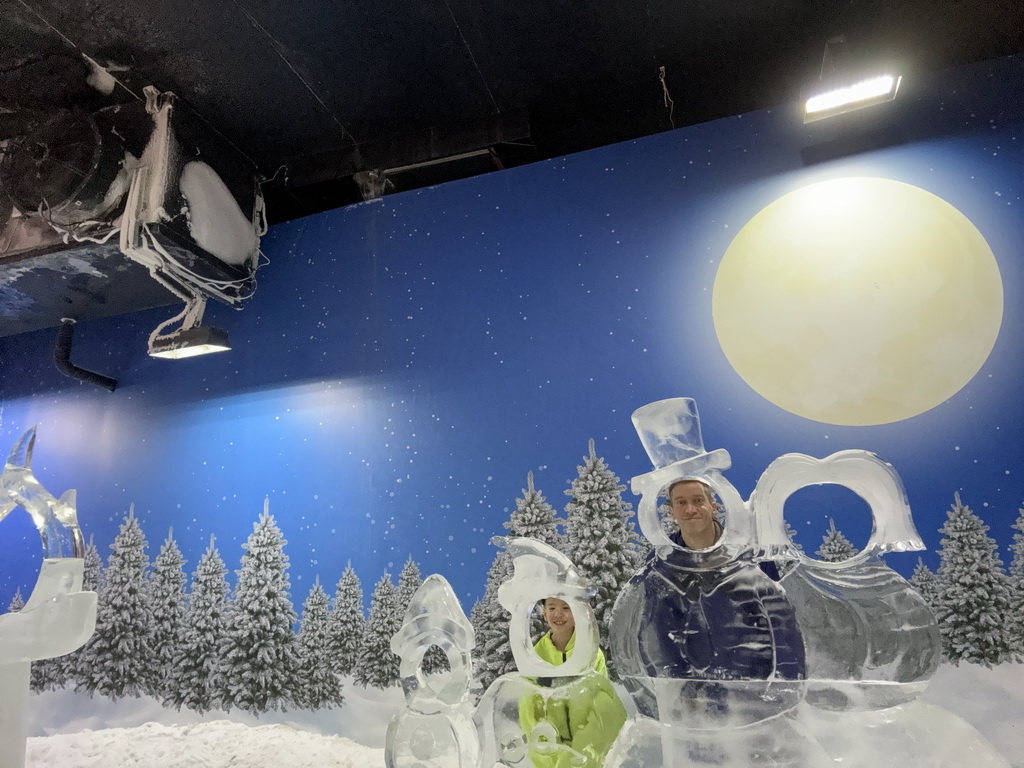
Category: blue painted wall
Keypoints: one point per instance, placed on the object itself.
(406, 362)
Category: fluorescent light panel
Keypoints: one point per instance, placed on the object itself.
(865, 93)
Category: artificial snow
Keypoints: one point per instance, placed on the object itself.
(139, 733)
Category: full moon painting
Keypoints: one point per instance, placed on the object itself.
(858, 301)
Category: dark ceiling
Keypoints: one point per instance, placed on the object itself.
(316, 91)
(335, 101)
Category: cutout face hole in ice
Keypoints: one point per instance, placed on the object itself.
(830, 519)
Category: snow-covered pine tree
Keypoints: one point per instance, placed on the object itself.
(377, 665)
(602, 541)
(347, 623)
(17, 603)
(199, 664)
(835, 547)
(409, 580)
(1017, 582)
(492, 655)
(167, 598)
(535, 518)
(77, 662)
(119, 653)
(975, 599)
(319, 685)
(259, 649)
(926, 582)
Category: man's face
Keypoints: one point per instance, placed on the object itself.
(558, 615)
(691, 508)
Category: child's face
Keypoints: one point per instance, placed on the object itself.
(558, 615)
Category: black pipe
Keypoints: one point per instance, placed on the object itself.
(62, 359)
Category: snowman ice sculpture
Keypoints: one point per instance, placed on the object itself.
(704, 634)
(436, 729)
(525, 717)
(59, 617)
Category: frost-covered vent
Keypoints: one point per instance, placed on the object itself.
(148, 180)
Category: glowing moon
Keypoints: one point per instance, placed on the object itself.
(858, 301)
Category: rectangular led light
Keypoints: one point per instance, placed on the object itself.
(865, 93)
(189, 343)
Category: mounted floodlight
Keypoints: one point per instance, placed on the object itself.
(839, 90)
(189, 343)
(865, 93)
(191, 339)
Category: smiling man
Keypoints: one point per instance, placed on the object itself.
(693, 508)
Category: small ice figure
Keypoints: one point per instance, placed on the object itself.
(551, 713)
(56, 519)
(703, 638)
(58, 617)
(435, 730)
(872, 641)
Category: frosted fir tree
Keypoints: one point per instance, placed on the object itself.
(976, 599)
(835, 547)
(259, 649)
(378, 666)
(118, 654)
(167, 599)
(409, 580)
(320, 686)
(346, 624)
(534, 517)
(77, 662)
(601, 539)
(1017, 581)
(17, 602)
(200, 669)
(926, 582)
(492, 655)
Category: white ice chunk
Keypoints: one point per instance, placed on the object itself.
(216, 222)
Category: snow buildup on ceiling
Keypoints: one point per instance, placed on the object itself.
(99, 77)
(216, 222)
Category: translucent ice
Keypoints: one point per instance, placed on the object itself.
(58, 618)
(872, 641)
(56, 519)
(701, 618)
(436, 728)
(548, 715)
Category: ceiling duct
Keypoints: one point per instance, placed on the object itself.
(122, 209)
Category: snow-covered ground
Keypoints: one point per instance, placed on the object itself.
(73, 731)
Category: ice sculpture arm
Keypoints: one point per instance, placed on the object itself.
(863, 472)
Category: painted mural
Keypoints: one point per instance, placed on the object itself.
(412, 369)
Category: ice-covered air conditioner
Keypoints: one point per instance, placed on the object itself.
(148, 180)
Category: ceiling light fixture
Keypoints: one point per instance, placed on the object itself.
(838, 90)
(191, 339)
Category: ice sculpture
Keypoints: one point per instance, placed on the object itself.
(548, 715)
(58, 617)
(721, 661)
(702, 638)
(872, 641)
(435, 730)
(56, 519)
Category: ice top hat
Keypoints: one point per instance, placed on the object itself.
(670, 433)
